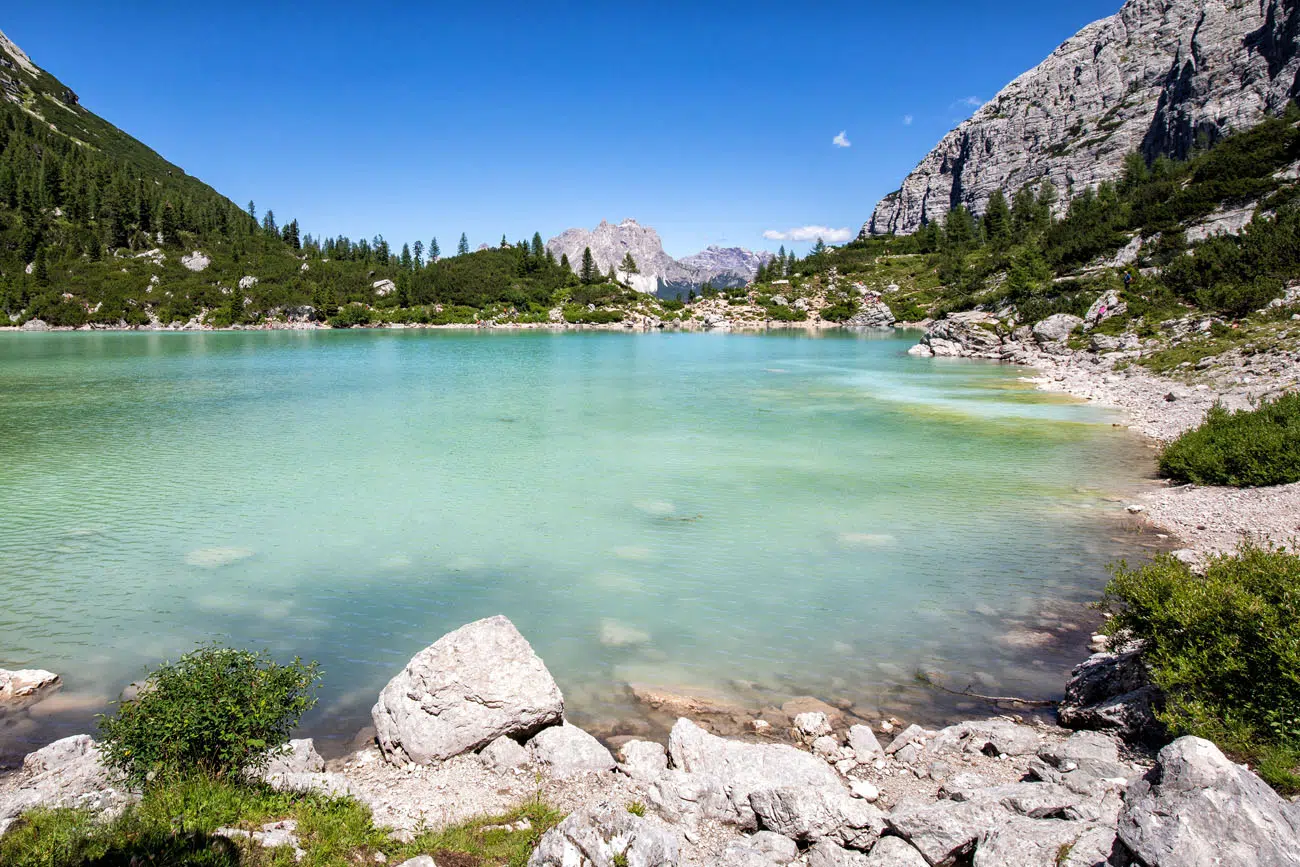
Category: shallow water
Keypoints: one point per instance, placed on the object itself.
(768, 515)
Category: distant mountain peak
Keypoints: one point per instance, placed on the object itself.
(724, 267)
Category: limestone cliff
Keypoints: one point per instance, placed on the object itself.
(1154, 77)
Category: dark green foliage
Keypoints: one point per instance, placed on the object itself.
(840, 311)
(351, 316)
(588, 273)
(217, 710)
(1224, 648)
(1248, 448)
(579, 315)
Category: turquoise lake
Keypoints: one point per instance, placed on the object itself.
(751, 516)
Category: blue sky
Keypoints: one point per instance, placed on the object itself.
(713, 122)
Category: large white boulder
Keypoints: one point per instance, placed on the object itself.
(1197, 808)
(464, 691)
(1056, 328)
(25, 683)
(196, 261)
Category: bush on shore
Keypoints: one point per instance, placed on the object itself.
(1224, 648)
(217, 710)
(1249, 448)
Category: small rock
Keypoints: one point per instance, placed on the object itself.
(864, 743)
(642, 760)
(568, 751)
(812, 724)
(503, 754)
(864, 790)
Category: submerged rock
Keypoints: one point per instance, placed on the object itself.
(464, 691)
(25, 686)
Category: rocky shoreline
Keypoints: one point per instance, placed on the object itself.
(1206, 520)
(475, 724)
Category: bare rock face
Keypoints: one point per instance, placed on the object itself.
(1112, 691)
(604, 837)
(67, 773)
(1196, 808)
(464, 691)
(567, 751)
(1153, 77)
(742, 769)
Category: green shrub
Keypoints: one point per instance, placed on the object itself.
(1248, 448)
(578, 315)
(350, 316)
(217, 710)
(781, 313)
(840, 311)
(1224, 648)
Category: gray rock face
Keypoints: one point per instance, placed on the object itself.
(894, 852)
(503, 754)
(807, 814)
(692, 798)
(1028, 843)
(464, 691)
(1196, 808)
(1056, 328)
(827, 854)
(642, 760)
(298, 757)
(743, 768)
(67, 773)
(1152, 77)
(991, 737)
(864, 743)
(945, 830)
(872, 313)
(593, 837)
(567, 751)
(1112, 691)
(723, 267)
(971, 333)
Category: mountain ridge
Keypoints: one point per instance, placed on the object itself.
(1155, 77)
(723, 267)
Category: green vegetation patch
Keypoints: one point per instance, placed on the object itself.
(174, 823)
(1247, 448)
(1224, 648)
(216, 710)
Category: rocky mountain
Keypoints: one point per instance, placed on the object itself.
(659, 272)
(1156, 77)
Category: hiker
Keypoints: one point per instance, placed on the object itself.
(1128, 279)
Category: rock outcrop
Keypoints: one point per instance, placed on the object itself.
(1112, 691)
(1197, 809)
(464, 691)
(724, 267)
(1154, 77)
(67, 773)
(604, 837)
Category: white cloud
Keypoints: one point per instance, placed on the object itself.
(842, 140)
(810, 233)
(907, 120)
(971, 102)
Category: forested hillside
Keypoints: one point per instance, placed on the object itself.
(97, 229)
(1163, 223)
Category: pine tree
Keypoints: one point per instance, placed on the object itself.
(405, 261)
(463, 247)
(629, 265)
(589, 273)
(268, 223)
(819, 248)
(959, 229)
(1022, 213)
(997, 218)
(539, 249)
(418, 250)
(564, 262)
(167, 225)
(434, 252)
(252, 212)
(41, 269)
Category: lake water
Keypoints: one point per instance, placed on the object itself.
(759, 516)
